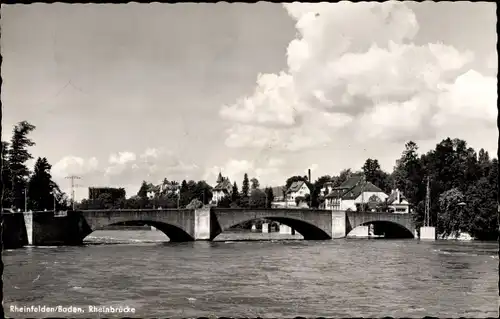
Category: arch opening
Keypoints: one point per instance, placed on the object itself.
(169, 232)
(381, 229)
(302, 228)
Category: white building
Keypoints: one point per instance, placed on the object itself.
(326, 189)
(297, 189)
(222, 189)
(398, 203)
(354, 192)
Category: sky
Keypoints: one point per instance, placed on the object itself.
(122, 93)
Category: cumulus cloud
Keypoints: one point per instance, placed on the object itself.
(266, 170)
(354, 65)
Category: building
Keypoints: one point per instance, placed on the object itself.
(297, 189)
(222, 188)
(398, 203)
(326, 189)
(169, 187)
(354, 192)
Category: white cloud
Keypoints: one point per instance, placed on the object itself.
(74, 165)
(267, 170)
(122, 158)
(472, 96)
(377, 84)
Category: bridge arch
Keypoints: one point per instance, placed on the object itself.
(392, 225)
(310, 228)
(97, 220)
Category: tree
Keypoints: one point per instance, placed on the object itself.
(224, 202)
(270, 196)
(18, 156)
(105, 201)
(195, 204)
(451, 219)
(143, 190)
(245, 187)
(299, 199)
(41, 186)
(235, 194)
(257, 199)
(343, 177)
(255, 183)
(374, 174)
(6, 176)
(482, 206)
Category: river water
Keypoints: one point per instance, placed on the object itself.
(338, 278)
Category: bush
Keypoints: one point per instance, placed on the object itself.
(195, 203)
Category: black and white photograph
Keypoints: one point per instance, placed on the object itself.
(257, 160)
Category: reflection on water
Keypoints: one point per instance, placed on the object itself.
(339, 278)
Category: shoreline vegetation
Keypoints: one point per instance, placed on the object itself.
(463, 186)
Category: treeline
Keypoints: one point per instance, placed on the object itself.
(250, 196)
(23, 189)
(190, 194)
(463, 186)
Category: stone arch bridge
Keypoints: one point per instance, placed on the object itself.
(70, 228)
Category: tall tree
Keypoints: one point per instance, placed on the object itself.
(6, 176)
(143, 190)
(374, 174)
(451, 216)
(41, 186)
(235, 194)
(270, 196)
(255, 183)
(18, 156)
(245, 187)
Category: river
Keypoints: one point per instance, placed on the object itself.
(338, 278)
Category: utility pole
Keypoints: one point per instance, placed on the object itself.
(363, 193)
(72, 178)
(427, 204)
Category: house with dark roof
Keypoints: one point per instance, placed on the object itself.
(398, 203)
(297, 189)
(353, 192)
(222, 188)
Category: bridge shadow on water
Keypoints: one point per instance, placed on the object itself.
(387, 230)
(301, 230)
(173, 234)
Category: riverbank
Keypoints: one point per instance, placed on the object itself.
(255, 236)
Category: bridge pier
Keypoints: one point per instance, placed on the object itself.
(202, 224)
(339, 224)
